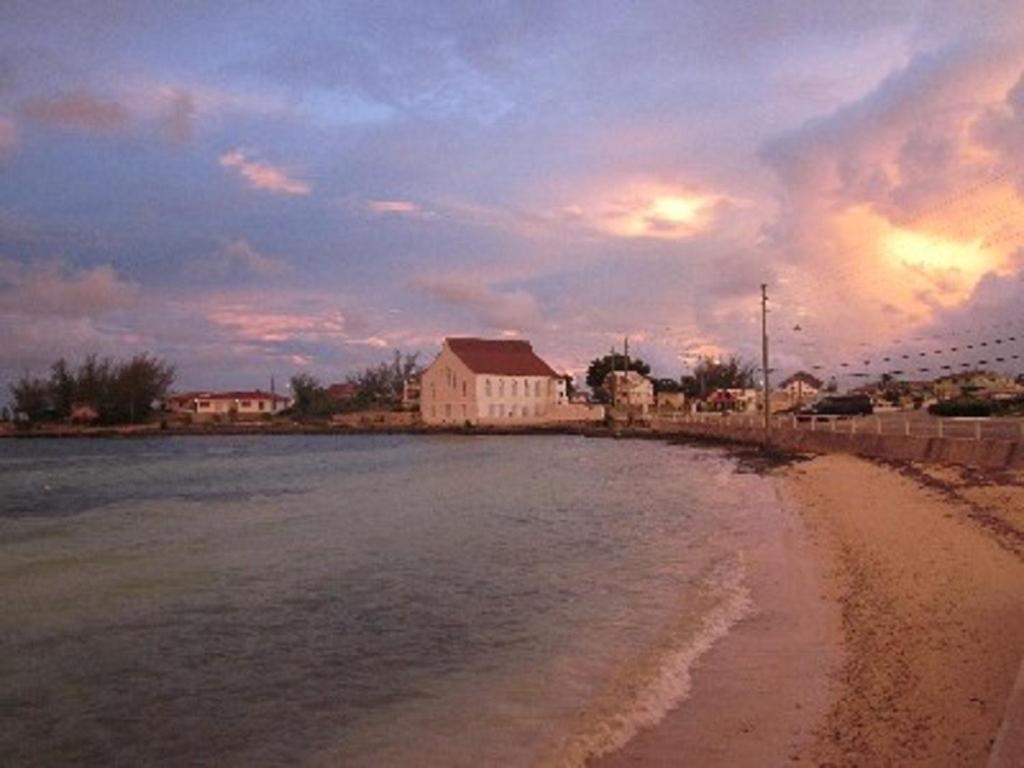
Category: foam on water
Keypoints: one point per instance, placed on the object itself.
(657, 683)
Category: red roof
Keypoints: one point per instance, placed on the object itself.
(342, 391)
(251, 395)
(502, 357)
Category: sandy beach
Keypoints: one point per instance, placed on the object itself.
(889, 631)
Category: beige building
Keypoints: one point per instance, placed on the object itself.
(629, 389)
(250, 403)
(493, 382)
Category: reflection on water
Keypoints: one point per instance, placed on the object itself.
(355, 600)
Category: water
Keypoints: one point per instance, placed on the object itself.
(388, 600)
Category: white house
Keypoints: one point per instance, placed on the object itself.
(493, 382)
(249, 403)
(801, 387)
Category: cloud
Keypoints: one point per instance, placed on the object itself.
(253, 322)
(48, 309)
(495, 310)
(398, 208)
(238, 258)
(53, 288)
(8, 136)
(177, 121)
(893, 200)
(79, 110)
(263, 175)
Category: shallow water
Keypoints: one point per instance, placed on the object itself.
(386, 600)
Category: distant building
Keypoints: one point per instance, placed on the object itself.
(412, 391)
(669, 401)
(801, 387)
(83, 413)
(493, 382)
(342, 393)
(734, 399)
(629, 389)
(249, 403)
(979, 384)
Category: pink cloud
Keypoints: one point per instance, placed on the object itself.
(8, 135)
(398, 208)
(79, 110)
(263, 175)
(255, 323)
(50, 288)
(178, 118)
(499, 310)
(238, 256)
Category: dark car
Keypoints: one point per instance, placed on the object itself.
(838, 405)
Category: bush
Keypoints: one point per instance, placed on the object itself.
(961, 407)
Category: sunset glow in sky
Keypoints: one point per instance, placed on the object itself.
(255, 189)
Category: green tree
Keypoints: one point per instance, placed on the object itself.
(119, 391)
(63, 388)
(382, 384)
(310, 397)
(134, 386)
(668, 385)
(32, 397)
(600, 367)
(711, 373)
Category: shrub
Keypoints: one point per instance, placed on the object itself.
(961, 407)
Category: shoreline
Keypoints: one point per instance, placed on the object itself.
(896, 611)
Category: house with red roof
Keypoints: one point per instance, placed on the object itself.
(492, 382)
(243, 403)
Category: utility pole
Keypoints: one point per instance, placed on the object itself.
(764, 365)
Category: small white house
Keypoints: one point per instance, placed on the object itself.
(249, 403)
(801, 387)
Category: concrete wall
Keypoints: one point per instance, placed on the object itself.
(989, 454)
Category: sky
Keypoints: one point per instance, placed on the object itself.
(260, 189)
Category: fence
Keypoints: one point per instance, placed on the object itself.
(907, 425)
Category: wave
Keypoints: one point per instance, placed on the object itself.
(660, 680)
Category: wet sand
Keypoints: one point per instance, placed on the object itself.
(890, 633)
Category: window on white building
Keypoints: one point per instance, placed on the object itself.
(463, 387)
(501, 387)
(515, 387)
(536, 388)
(487, 387)
(448, 410)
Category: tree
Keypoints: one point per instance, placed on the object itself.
(667, 385)
(119, 391)
(63, 388)
(135, 385)
(710, 374)
(32, 397)
(310, 398)
(600, 367)
(382, 384)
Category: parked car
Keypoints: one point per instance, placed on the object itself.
(837, 406)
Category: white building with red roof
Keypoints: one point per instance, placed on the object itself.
(243, 403)
(491, 382)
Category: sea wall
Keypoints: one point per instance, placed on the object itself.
(985, 453)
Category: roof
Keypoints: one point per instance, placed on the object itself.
(503, 357)
(249, 395)
(805, 377)
(344, 391)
